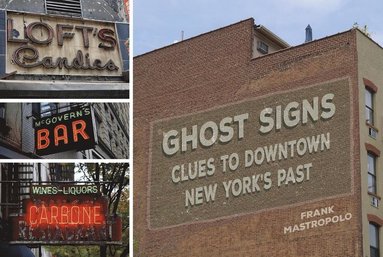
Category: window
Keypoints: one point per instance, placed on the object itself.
(48, 109)
(98, 122)
(41, 110)
(61, 172)
(262, 47)
(2, 110)
(2, 114)
(374, 240)
(110, 140)
(369, 107)
(116, 141)
(371, 169)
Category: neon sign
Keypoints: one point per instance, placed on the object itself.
(66, 220)
(44, 215)
(37, 190)
(71, 130)
(66, 214)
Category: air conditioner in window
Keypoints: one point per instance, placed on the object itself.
(262, 47)
(372, 132)
(374, 201)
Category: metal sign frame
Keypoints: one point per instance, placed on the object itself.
(65, 131)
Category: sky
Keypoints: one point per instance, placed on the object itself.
(160, 23)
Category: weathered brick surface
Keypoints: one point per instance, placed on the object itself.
(216, 69)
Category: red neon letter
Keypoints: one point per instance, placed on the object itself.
(80, 130)
(86, 210)
(97, 216)
(42, 139)
(63, 137)
(43, 215)
(54, 214)
(64, 214)
(75, 215)
(33, 215)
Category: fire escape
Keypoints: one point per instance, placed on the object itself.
(16, 179)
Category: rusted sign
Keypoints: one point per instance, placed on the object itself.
(47, 45)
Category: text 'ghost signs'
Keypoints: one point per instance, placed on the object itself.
(258, 154)
(70, 130)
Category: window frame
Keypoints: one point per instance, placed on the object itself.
(369, 109)
(371, 173)
(374, 250)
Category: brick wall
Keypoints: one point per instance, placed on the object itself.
(216, 69)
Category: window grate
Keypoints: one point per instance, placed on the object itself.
(64, 7)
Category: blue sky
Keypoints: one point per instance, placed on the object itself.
(159, 23)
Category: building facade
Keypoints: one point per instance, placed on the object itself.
(251, 147)
(45, 130)
(64, 49)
